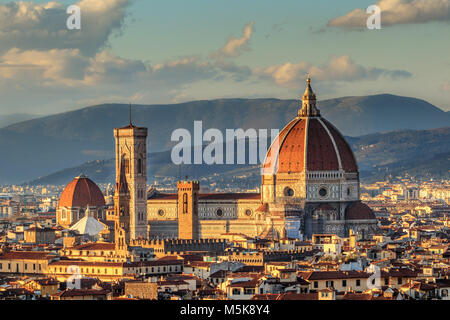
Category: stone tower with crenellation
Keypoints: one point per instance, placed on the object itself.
(130, 200)
(188, 224)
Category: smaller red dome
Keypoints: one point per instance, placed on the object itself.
(81, 192)
(359, 211)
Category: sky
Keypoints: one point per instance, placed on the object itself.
(171, 51)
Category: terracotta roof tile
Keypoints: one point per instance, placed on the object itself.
(26, 255)
(319, 139)
(348, 160)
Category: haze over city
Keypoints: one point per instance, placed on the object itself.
(222, 158)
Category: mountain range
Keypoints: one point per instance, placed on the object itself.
(40, 147)
(12, 118)
(419, 153)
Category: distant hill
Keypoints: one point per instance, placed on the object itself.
(160, 167)
(419, 153)
(422, 153)
(383, 149)
(436, 167)
(42, 146)
(357, 116)
(9, 119)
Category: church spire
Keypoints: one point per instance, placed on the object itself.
(309, 108)
(131, 123)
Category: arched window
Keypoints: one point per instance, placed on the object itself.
(185, 203)
(139, 166)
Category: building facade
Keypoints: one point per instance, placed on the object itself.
(310, 184)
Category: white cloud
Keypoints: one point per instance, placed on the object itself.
(67, 67)
(107, 77)
(235, 46)
(106, 67)
(40, 56)
(62, 72)
(238, 73)
(336, 69)
(43, 68)
(183, 70)
(30, 26)
(37, 52)
(397, 12)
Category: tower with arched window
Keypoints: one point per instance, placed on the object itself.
(188, 209)
(130, 200)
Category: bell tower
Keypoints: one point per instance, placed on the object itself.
(188, 226)
(130, 200)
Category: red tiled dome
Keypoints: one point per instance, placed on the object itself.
(312, 143)
(81, 192)
(359, 211)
